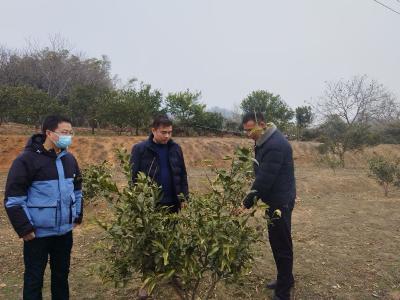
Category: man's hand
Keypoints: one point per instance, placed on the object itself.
(248, 201)
(29, 237)
(183, 205)
(240, 210)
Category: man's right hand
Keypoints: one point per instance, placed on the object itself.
(29, 237)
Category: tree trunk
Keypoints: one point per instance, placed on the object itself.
(211, 290)
(341, 158)
(178, 291)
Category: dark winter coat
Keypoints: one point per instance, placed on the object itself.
(274, 174)
(144, 158)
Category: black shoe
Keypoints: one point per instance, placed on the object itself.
(272, 285)
(291, 295)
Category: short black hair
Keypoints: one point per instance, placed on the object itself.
(161, 120)
(51, 122)
(257, 117)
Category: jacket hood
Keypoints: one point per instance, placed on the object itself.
(35, 144)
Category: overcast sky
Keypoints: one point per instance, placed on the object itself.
(223, 48)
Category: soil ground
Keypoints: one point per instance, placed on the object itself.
(346, 234)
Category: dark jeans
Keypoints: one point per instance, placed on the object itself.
(36, 253)
(280, 239)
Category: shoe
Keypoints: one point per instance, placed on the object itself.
(291, 295)
(272, 285)
(142, 294)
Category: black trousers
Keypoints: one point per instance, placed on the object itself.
(36, 253)
(280, 239)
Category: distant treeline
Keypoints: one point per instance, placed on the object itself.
(39, 81)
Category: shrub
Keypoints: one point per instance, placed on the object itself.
(192, 251)
(386, 171)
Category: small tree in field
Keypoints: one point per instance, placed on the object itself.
(338, 138)
(304, 118)
(206, 243)
(385, 171)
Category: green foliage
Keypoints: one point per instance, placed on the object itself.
(304, 118)
(97, 182)
(85, 105)
(190, 115)
(390, 133)
(207, 121)
(26, 105)
(386, 171)
(207, 242)
(272, 106)
(184, 106)
(133, 107)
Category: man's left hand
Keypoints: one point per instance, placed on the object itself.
(240, 210)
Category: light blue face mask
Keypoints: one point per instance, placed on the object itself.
(64, 141)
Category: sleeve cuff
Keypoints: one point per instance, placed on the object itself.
(78, 220)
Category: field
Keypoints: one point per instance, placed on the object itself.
(346, 234)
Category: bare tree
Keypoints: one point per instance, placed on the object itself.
(358, 100)
(55, 69)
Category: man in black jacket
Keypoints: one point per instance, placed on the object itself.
(160, 158)
(275, 185)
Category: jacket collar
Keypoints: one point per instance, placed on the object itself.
(151, 144)
(35, 144)
(269, 131)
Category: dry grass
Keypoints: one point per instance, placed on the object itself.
(346, 234)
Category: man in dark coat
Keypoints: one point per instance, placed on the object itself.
(275, 185)
(160, 158)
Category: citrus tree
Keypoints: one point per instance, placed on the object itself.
(386, 171)
(192, 251)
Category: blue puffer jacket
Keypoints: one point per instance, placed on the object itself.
(43, 191)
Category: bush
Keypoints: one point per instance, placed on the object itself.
(386, 171)
(206, 243)
(97, 182)
(329, 160)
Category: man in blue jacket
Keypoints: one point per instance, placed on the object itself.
(43, 200)
(160, 158)
(275, 185)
